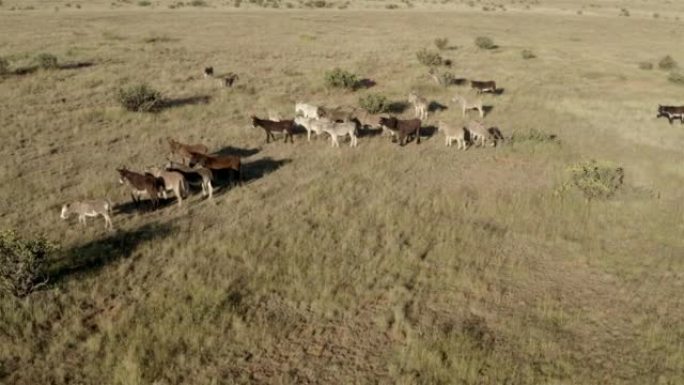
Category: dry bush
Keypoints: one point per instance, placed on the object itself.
(484, 42)
(429, 58)
(374, 103)
(667, 63)
(339, 78)
(4, 66)
(676, 78)
(47, 61)
(139, 98)
(528, 54)
(23, 263)
(597, 179)
(441, 43)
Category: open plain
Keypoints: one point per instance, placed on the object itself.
(379, 264)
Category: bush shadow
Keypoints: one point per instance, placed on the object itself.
(365, 84)
(93, 255)
(189, 101)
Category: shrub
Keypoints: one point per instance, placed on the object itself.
(47, 61)
(534, 135)
(527, 54)
(339, 78)
(441, 43)
(139, 98)
(676, 78)
(198, 3)
(667, 63)
(656, 15)
(374, 103)
(597, 179)
(429, 58)
(144, 3)
(444, 78)
(391, 6)
(23, 263)
(644, 65)
(624, 12)
(4, 66)
(484, 42)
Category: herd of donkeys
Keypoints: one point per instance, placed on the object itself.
(199, 168)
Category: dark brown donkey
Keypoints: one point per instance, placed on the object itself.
(488, 86)
(141, 184)
(269, 126)
(184, 150)
(218, 164)
(403, 128)
(671, 113)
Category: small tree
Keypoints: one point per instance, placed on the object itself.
(441, 43)
(667, 63)
(4, 66)
(527, 54)
(374, 103)
(140, 98)
(484, 42)
(23, 263)
(47, 61)
(429, 58)
(339, 78)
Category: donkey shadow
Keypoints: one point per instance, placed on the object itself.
(397, 107)
(262, 167)
(498, 91)
(435, 106)
(428, 131)
(486, 110)
(92, 256)
(368, 132)
(236, 151)
(188, 101)
(365, 84)
(131, 207)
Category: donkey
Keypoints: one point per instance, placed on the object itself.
(198, 176)
(141, 184)
(420, 105)
(228, 80)
(286, 126)
(307, 110)
(451, 133)
(173, 181)
(478, 133)
(208, 72)
(469, 105)
(341, 129)
(671, 113)
(89, 208)
(218, 164)
(403, 128)
(184, 150)
(483, 86)
(316, 126)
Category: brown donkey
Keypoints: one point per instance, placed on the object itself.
(184, 150)
(141, 184)
(480, 87)
(269, 126)
(403, 128)
(217, 164)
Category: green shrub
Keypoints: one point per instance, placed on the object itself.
(4, 66)
(667, 63)
(23, 263)
(339, 78)
(644, 65)
(484, 42)
(374, 103)
(140, 98)
(47, 61)
(527, 54)
(676, 78)
(624, 12)
(534, 135)
(444, 78)
(144, 3)
(429, 58)
(597, 179)
(441, 43)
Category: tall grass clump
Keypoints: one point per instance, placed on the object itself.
(144, 3)
(23, 263)
(667, 63)
(139, 98)
(676, 78)
(484, 42)
(374, 103)
(644, 65)
(596, 179)
(441, 43)
(429, 58)
(199, 3)
(527, 54)
(4, 66)
(47, 61)
(339, 78)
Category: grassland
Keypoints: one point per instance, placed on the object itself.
(377, 264)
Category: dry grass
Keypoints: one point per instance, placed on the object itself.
(378, 264)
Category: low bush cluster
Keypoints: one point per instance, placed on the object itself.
(374, 103)
(23, 263)
(339, 78)
(139, 98)
(597, 179)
